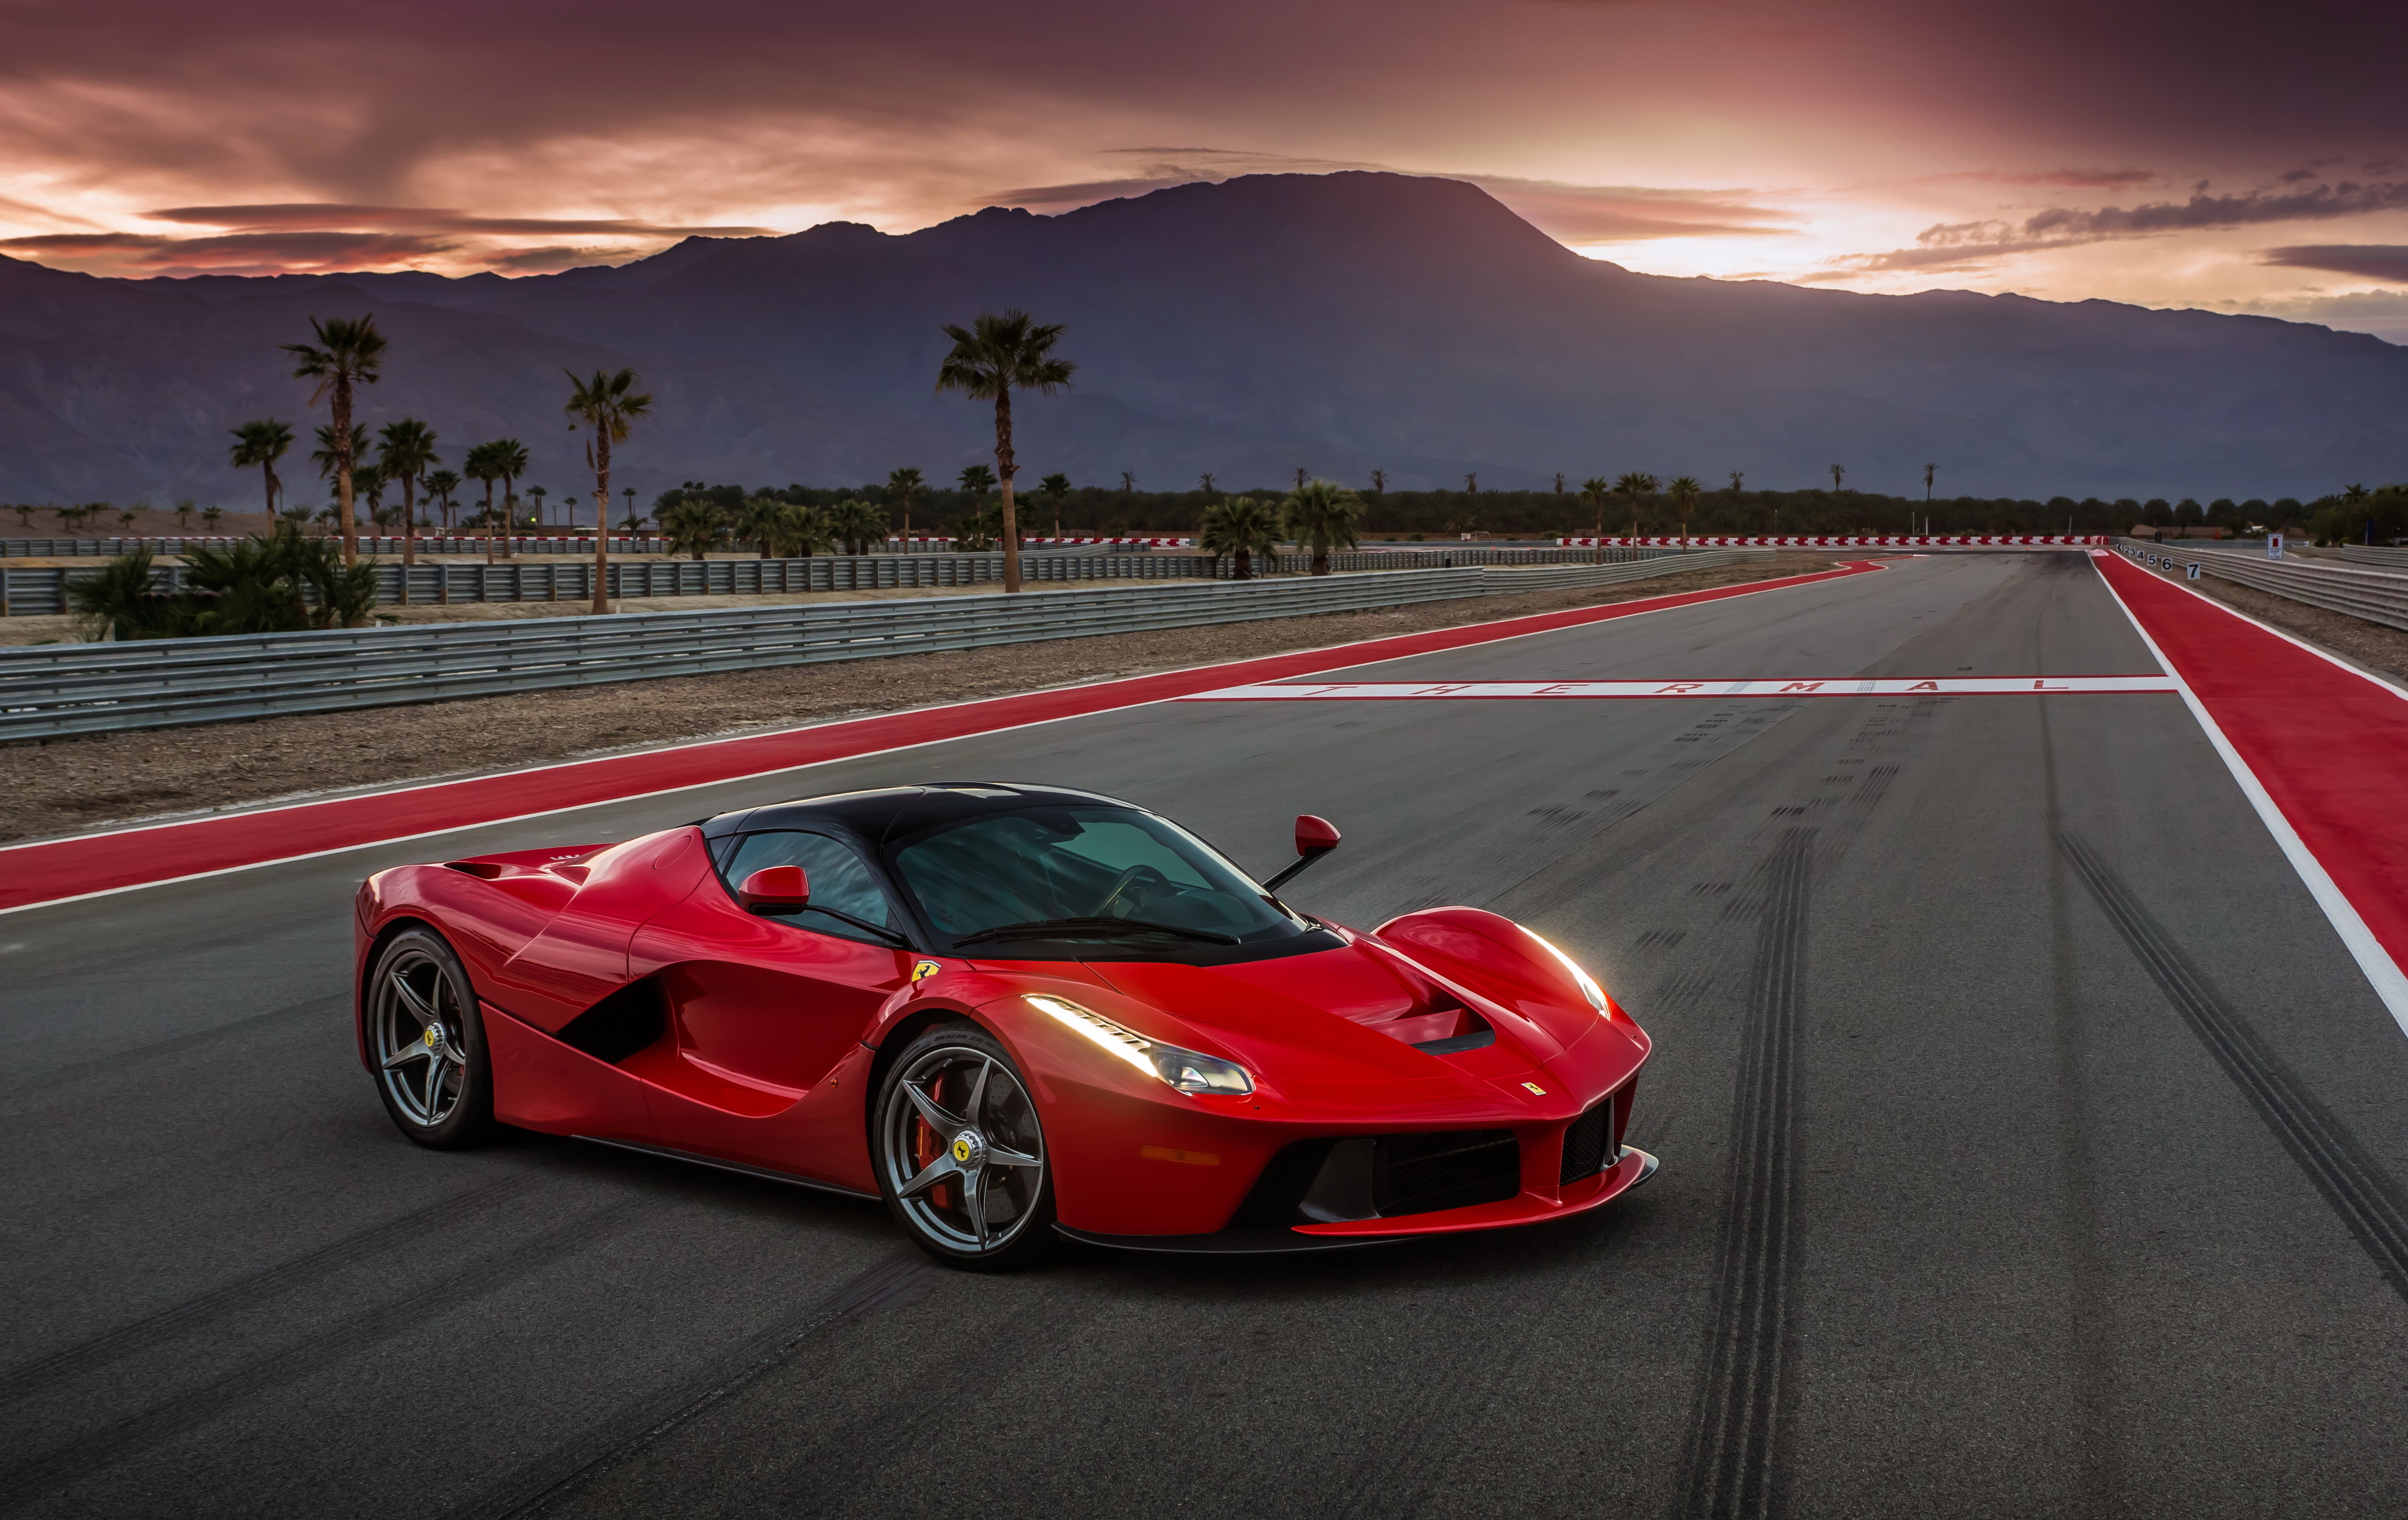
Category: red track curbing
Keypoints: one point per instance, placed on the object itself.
(2327, 744)
(54, 870)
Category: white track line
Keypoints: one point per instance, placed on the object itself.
(1626, 690)
(2382, 973)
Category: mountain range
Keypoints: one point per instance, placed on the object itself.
(1337, 322)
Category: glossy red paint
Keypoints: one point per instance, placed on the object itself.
(765, 1048)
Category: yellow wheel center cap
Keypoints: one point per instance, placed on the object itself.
(970, 1150)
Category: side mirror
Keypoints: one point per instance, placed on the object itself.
(1314, 838)
(775, 890)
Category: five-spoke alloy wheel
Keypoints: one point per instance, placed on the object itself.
(428, 1042)
(961, 1156)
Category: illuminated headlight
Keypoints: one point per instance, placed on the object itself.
(1190, 1072)
(1590, 989)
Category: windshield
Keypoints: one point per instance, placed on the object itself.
(1115, 869)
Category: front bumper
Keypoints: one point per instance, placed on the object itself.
(1630, 1168)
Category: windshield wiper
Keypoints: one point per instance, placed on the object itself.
(1052, 929)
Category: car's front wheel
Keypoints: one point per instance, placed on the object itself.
(428, 1043)
(961, 1153)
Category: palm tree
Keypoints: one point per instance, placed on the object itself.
(1242, 528)
(369, 481)
(1636, 484)
(977, 480)
(633, 522)
(477, 465)
(1204, 483)
(1685, 491)
(210, 516)
(692, 526)
(509, 462)
(1056, 487)
(1594, 491)
(263, 443)
(1323, 515)
(802, 529)
(991, 359)
(538, 492)
(761, 519)
(406, 453)
(347, 355)
(857, 522)
(1378, 481)
(1739, 481)
(1929, 471)
(1128, 481)
(1839, 473)
(904, 484)
(439, 488)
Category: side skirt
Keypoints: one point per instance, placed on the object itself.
(717, 1165)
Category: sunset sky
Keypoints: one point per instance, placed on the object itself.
(2243, 158)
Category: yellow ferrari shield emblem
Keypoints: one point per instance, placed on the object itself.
(961, 1150)
(429, 1036)
(923, 971)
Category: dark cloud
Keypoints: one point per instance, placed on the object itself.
(334, 216)
(2367, 261)
(2201, 211)
(83, 242)
(549, 260)
(240, 252)
(2073, 178)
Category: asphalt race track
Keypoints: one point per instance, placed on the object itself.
(2028, 1132)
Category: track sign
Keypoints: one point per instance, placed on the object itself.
(2273, 546)
(2191, 570)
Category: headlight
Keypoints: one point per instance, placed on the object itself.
(1190, 1072)
(1590, 989)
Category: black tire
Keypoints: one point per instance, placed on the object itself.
(956, 1116)
(438, 1087)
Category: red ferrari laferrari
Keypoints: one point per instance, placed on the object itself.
(1011, 1011)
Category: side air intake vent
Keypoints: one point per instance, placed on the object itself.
(620, 1024)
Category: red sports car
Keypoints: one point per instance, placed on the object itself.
(1010, 1011)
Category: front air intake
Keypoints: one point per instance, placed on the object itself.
(1380, 1175)
(1588, 1140)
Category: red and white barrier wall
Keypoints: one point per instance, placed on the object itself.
(2017, 541)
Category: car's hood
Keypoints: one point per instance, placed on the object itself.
(1351, 1012)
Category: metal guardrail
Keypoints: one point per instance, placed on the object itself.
(2377, 596)
(2377, 556)
(39, 591)
(59, 689)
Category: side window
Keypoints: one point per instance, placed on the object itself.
(841, 880)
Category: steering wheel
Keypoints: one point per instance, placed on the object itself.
(1133, 874)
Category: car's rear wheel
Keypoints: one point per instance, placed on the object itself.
(961, 1153)
(428, 1043)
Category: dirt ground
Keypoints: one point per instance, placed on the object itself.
(65, 784)
(2372, 645)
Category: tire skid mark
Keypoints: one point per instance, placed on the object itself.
(898, 1279)
(1729, 1469)
(2370, 1204)
(344, 1338)
(43, 1372)
(175, 1045)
